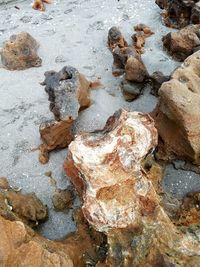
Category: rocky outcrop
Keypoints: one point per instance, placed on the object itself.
(119, 198)
(68, 92)
(126, 60)
(180, 13)
(39, 4)
(21, 246)
(177, 113)
(20, 52)
(182, 43)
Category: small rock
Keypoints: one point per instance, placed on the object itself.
(62, 199)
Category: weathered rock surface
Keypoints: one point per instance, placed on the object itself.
(177, 114)
(27, 207)
(142, 32)
(119, 198)
(181, 44)
(126, 60)
(39, 4)
(157, 79)
(20, 52)
(68, 92)
(21, 246)
(180, 13)
(62, 199)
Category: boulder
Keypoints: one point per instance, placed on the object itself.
(20, 52)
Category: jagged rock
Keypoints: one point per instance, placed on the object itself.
(157, 79)
(26, 207)
(181, 44)
(39, 4)
(119, 198)
(180, 13)
(62, 199)
(69, 92)
(177, 114)
(20, 52)
(142, 32)
(21, 246)
(126, 60)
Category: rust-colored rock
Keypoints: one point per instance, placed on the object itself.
(142, 32)
(26, 207)
(119, 198)
(20, 52)
(21, 246)
(68, 92)
(177, 114)
(39, 4)
(126, 60)
(180, 13)
(181, 44)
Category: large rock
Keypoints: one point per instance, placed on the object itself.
(180, 13)
(182, 43)
(20, 52)
(119, 198)
(68, 92)
(177, 114)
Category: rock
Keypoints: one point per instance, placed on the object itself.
(39, 4)
(157, 79)
(177, 113)
(26, 207)
(181, 44)
(20, 52)
(21, 246)
(4, 183)
(68, 92)
(142, 32)
(180, 13)
(62, 199)
(119, 198)
(126, 59)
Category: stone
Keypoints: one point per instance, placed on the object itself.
(119, 198)
(182, 43)
(157, 79)
(62, 199)
(177, 113)
(142, 32)
(68, 93)
(4, 183)
(20, 52)
(39, 4)
(180, 13)
(126, 60)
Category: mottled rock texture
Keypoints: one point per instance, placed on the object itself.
(20, 52)
(126, 60)
(119, 197)
(142, 32)
(177, 114)
(39, 4)
(21, 246)
(182, 43)
(180, 13)
(68, 92)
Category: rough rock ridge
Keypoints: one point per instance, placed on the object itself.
(119, 198)
(177, 114)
